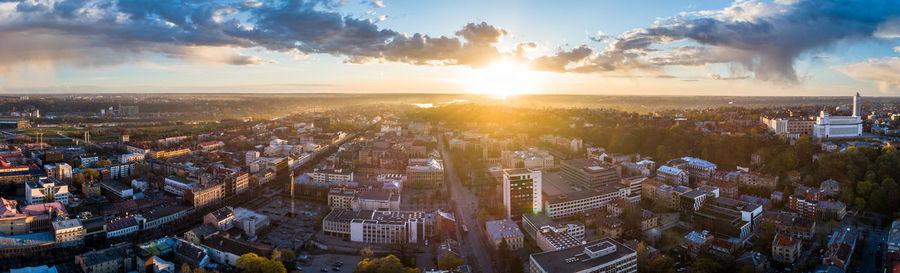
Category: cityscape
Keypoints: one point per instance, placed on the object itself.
(277, 136)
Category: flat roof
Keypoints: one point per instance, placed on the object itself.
(518, 171)
(582, 257)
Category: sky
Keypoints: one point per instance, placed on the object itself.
(745, 47)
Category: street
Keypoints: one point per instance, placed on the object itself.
(472, 243)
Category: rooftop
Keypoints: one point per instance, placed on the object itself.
(499, 229)
(582, 257)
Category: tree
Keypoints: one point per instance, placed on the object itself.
(386, 264)
(103, 163)
(185, 268)
(286, 257)
(643, 258)
(449, 262)
(859, 203)
(663, 263)
(252, 263)
(366, 252)
(705, 265)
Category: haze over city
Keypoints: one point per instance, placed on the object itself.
(400, 136)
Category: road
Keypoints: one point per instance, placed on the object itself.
(868, 249)
(473, 245)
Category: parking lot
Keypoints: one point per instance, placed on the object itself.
(315, 263)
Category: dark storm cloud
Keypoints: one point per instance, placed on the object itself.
(116, 31)
(763, 38)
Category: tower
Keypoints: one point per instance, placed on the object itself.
(856, 107)
(292, 194)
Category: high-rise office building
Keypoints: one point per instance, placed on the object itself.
(521, 192)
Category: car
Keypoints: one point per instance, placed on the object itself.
(336, 268)
(338, 264)
(324, 269)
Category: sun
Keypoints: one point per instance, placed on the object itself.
(503, 79)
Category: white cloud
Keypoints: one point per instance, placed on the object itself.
(882, 71)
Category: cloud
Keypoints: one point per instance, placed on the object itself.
(762, 38)
(96, 32)
(562, 59)
(881, 71)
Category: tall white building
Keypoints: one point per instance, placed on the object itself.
(521, 192)
(829, 127)
(45, 190)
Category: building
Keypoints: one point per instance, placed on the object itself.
(46, 189)
(672, 175)
(789, 125)
(331, 175)
(531, 159)
(116, 190)
(341, 197)
(121, 226)
(551, 235)
(579, 202)
(785, 249)
(91, 189)
(176, 185)
(590, 174)
(132, 157)
(505, 231)
(222, 218)
(117, 259)
(89, 161)
(649, 220)
(60, 171)
(211, 145)
(893, 241)
(140, 184)
(224, 250)
(521, 192)
(604, 255)
(753, 179)
(633, 186)
(202, 194)
(635, 169)
(831, 127)
(160, 216)
(840, 248)
(831, 187)
(611, 226)
(695, 167)
(169, 153)
(376, 200)
(758, 261)
(379, 227)
(68, 232)
(727, 217)
(250, 222)
(425, 173)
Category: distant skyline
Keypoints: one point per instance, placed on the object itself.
(731, 48)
